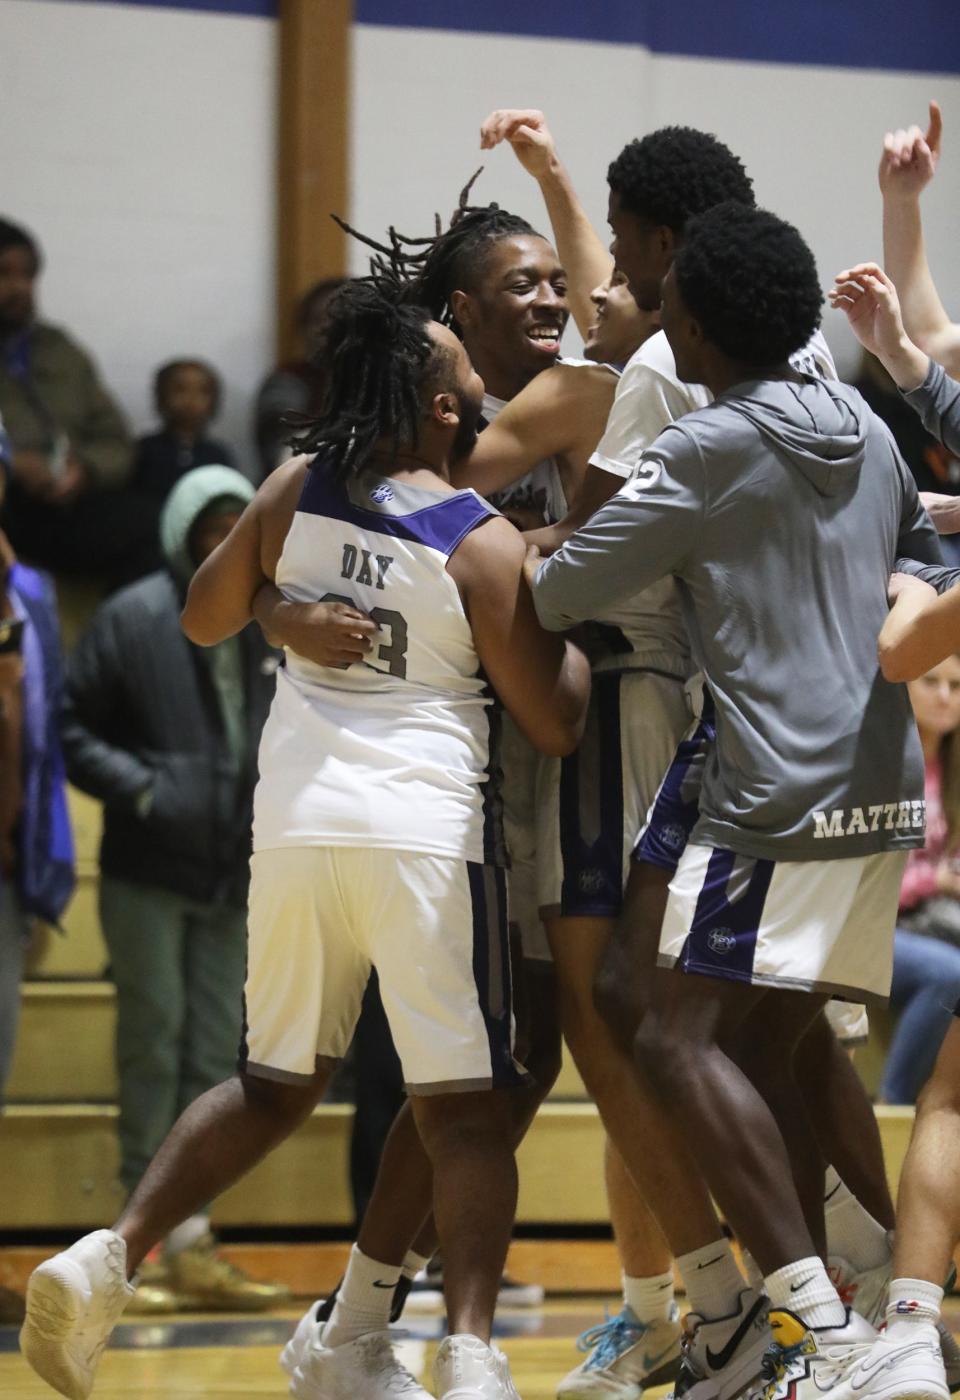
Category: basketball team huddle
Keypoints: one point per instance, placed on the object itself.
(591, 726)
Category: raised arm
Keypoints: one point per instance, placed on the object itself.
(580, 249)
(907, 166)
(869, 298)
(543, 680)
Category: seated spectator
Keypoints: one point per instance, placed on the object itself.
(36, 850)
(165, 733)
(71, 451)
(187, 396)
(296, 387)
(926, 966)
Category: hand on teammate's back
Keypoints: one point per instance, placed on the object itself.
(909, 159)
(527, 132)
(531, 563)
(328, 634)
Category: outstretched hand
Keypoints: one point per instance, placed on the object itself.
(872, 307)
(527, 132)
(909, 159)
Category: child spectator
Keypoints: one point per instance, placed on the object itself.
(187, 396)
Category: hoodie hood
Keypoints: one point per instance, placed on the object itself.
(820, 425)
(194, 493)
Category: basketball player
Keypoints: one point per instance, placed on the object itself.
(815, 789)
(343, 876)
(859, 1251)
(499, 284)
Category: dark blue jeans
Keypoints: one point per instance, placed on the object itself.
(926, 986)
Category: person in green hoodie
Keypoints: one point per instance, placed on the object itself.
(165, 734)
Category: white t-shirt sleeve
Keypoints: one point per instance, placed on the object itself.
(646, 402)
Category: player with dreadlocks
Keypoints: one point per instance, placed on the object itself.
(497, 283)
(375, 845)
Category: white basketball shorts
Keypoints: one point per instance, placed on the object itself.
(819, 926)
(434, 927)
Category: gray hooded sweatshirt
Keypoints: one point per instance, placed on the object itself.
(780, 510)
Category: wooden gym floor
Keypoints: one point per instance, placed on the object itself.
(223, 1358)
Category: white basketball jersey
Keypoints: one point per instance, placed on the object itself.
(539, 489)
(394, 751)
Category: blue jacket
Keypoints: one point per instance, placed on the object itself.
(45, 873)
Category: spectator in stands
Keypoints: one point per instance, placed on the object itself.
(70, 448)
(926, 967)
(165, 733)
(187, 395)
(296, 387)
(36, 850)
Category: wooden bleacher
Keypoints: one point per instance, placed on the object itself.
(58, 1160)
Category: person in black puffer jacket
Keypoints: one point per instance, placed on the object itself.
(165, 733)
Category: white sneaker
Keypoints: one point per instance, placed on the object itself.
(73, 1303)
(803, 1362)
(865, 1292)
(625, 1355)
(308, 1334)
(720, 1356)
(950, 1352)
(467, 1369)
(911, 1370)
(365, 1369)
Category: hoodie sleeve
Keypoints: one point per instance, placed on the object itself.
(643, 533)
(937, 401)
(939, 576)
(917, 539)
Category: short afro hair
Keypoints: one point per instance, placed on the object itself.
(675, 173)
(751, 282)
(15, 236)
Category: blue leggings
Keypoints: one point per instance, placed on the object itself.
(926, 986)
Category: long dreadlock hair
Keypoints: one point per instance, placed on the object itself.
(432, 269)
(379, 355)
(376, 348)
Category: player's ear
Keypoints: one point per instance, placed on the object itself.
(666, 241)
(464, 309)
(445, 410)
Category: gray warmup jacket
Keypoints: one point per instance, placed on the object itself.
(937, 401)
(780, 510)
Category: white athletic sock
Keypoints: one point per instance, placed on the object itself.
(805, 1288)
(852, 1232)
(914, 1303)
(364, 1301)
(188, 1234)
(650, 1299)
(413, 1264)
(712, 1280)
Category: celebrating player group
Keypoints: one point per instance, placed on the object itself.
(592, 725)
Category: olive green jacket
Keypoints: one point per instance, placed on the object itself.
(64, 395)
